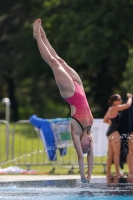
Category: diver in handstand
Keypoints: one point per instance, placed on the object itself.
(71, 89)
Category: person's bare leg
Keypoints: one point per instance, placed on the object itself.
(116, 150)
(63, 80)
(109, 158)
(130, 155)
(109, 163)
(129, 163)
(68, 69)
(117, 162)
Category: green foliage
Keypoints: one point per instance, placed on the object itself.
(127, 84)
(92, 36)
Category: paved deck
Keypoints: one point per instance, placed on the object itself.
(12, 178)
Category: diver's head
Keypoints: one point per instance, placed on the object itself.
(86, 141)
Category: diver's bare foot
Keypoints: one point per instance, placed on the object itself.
(43, 35)
(36, 28)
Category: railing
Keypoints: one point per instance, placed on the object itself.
(28, 150)
(4, 141)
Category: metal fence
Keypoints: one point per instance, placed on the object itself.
(22, 146)
(4, 141)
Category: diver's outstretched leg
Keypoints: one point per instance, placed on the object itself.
(63, 80)
(72, 73)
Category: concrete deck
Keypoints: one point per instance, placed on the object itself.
(12, 178)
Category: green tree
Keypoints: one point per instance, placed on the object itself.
(92, 36)
(127, 84)
(94, 40)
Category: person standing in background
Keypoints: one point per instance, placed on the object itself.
(112, 117)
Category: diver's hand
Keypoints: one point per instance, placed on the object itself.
(84, 180)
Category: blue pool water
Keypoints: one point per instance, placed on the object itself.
(98, 189)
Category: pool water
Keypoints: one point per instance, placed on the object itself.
(98, 189)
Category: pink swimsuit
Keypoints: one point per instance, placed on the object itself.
(83, 113)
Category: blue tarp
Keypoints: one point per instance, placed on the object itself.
(49, 130)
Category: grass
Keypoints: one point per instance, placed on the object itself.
(26, 150)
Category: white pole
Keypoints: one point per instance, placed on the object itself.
(7, 112)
